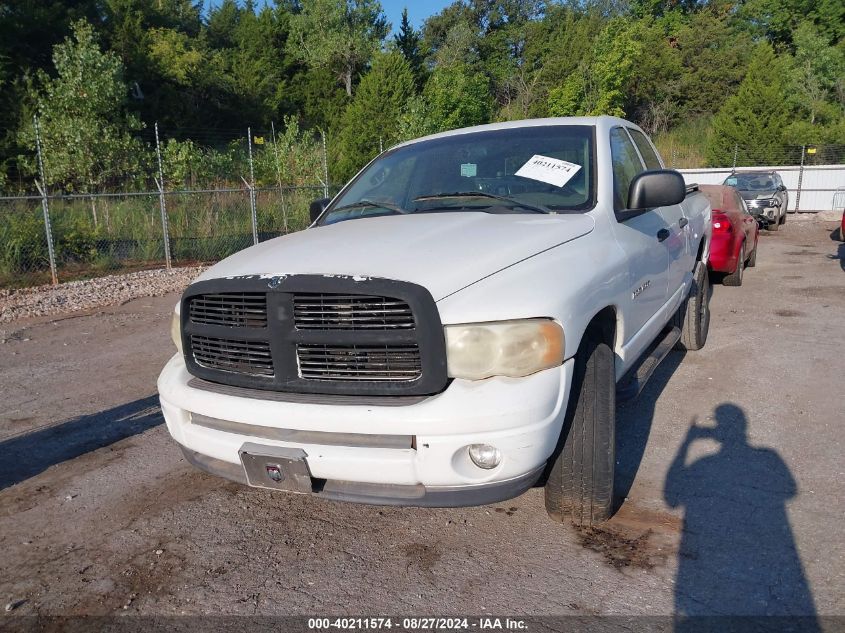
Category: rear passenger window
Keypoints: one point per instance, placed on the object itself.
(626, 165)
(646, 150)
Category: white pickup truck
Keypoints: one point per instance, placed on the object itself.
(453, 328)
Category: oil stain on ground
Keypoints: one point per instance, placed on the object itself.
(634, 537)
(618, 551)
(422, 556)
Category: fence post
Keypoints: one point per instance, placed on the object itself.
(325, 167)
(736, 152)
(45, 205)
(251, 186)
(162, 204)
(800, 178)
(279, 175)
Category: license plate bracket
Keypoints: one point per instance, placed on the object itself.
(276, 468)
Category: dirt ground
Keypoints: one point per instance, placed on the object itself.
(730, 477)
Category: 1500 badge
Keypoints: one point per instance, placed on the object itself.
(638, 291)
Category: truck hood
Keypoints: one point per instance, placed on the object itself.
(443, 252)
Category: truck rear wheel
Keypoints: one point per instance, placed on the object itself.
(579, 488)
(693, 317)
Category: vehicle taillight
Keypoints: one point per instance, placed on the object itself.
(721, 222)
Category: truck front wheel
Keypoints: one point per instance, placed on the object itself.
(579, 487)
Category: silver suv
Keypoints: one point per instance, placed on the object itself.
(764, 193)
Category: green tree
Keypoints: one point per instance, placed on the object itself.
(714, 57)
(598, 86)
(85, 126)
(819, 73)
(222, 25)
(409, 42)
(454, 97)
(341, 35)
(753, 120)
(778, 20)
(371, 121)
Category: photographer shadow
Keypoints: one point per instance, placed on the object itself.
(737, 555)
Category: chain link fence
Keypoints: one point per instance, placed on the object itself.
(190, 202)
(105, 233)
(814, 175)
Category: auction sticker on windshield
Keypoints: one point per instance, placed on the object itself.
(550, 170)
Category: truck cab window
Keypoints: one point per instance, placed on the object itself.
(646, 150)
(626, 165)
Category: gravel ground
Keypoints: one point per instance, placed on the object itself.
(730, 480)
(75, 296)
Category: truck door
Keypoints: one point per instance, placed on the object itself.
(639, 237)
(677, 244)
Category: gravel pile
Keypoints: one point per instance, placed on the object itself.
(92, 293)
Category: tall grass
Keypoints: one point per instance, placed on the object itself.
(104, 234)
(684, 146)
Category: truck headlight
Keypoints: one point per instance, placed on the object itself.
(176, 328)
(503, 348)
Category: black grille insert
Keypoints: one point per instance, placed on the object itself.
(321, 311)
(315, 334)
(245, 357)
(359, 362)
(232, 309)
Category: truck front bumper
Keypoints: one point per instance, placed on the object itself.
(407, 452)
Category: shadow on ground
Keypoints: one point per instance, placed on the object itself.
(836, 236)
(27, 455)
(633, 426)
(737, 554)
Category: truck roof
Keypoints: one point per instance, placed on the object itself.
(600, 122)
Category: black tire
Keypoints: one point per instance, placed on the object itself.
(752, 261)
(783, 216)
(735, 278)
(579, 487)
(693, 317)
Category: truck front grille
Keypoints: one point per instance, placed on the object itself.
(350, 312)
(315, 334)
(359, 362)
(246, 357)
(237, 309)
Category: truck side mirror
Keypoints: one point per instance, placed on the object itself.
(317, 207)
(656, 188)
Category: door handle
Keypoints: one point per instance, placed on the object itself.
(662, 234)
(683, 222)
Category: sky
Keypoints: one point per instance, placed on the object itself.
(418, 10)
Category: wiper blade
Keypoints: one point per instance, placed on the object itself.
(372, 203)
(483, 194)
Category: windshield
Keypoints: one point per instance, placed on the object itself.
(544, 169)
(751, 182)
